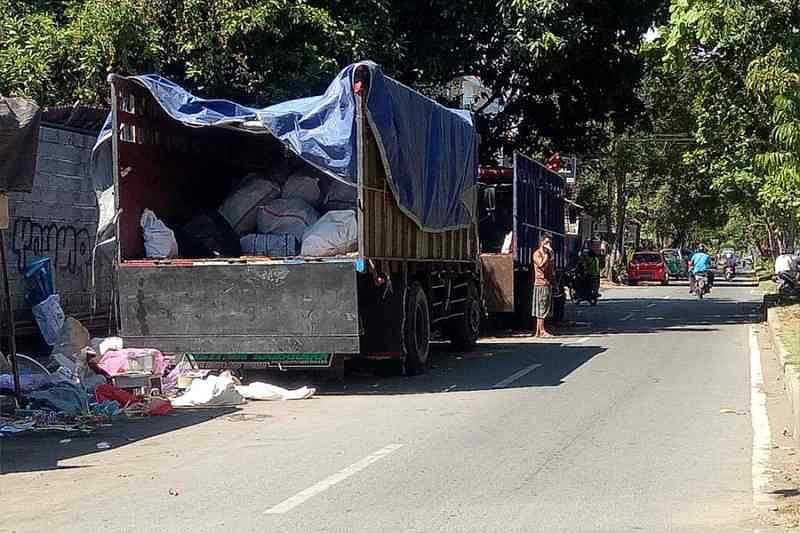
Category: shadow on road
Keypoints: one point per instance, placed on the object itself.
(32, 452)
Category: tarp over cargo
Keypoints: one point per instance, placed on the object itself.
(429, 150)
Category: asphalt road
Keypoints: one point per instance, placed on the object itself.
(616, 426)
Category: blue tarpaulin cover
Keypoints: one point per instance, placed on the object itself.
(429, 151)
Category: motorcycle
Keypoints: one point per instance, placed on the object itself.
(788, 284)
(580, 287)
(730, 273)
(701, 284)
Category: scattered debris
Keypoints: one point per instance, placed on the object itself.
(174, 492)
(103, 445)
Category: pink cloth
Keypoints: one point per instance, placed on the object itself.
(116, 362)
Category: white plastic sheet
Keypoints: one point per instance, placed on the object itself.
(266, 392)
(286, 215)
(213, 391)
(50, 318)
(159, 240)
(336, 233)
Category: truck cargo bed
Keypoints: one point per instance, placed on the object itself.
(299, 310)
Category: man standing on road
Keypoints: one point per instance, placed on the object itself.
(543, 276)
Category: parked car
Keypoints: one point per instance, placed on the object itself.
(647, 266)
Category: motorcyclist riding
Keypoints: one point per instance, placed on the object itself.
(700, 264)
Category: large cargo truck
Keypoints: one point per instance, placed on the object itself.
(416, 268)
(517, 205)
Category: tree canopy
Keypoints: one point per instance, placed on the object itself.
(696, 130)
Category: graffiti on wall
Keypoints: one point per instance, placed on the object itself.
(69, 247)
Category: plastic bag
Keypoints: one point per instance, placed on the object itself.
(271, 245)
(159, 240)
(286, 215)
(72, 338)
(50, 318)
(267, 392)
(239, 209)
(336, 233)
(301, 185)
(208, 234)
(213, 390)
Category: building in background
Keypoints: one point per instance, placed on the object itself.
(58, 219)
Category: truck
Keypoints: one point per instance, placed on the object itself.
(412, 165)
(517, 205)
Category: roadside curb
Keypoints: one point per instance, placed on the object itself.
(791, 374)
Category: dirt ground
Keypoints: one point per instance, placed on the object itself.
(783, 510)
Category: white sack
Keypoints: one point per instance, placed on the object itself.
(212, 391)
(267, 392)
(286, 215)
(336, 233)
(239, 209)
(50, 318)
(300, 185)
(159, 240)
(270, 245)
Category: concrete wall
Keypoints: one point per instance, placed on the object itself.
(59, 219)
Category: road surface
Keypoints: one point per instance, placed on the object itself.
(637, 419)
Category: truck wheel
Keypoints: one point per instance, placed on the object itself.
(416, 330)
(464, 331)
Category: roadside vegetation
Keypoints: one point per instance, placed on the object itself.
(683, 114)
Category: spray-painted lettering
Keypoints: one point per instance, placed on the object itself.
(69, 247)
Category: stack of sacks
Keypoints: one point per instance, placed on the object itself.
(335, 233)
(281, 224)
(240, 207)
(270, 245)
(341, 196)
(301, 185)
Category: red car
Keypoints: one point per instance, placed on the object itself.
(647, 266)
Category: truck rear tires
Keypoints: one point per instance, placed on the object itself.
(416, 330)
(464, 331)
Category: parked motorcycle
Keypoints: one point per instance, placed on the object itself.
(580, 287)
(701, 284)
(788, 284)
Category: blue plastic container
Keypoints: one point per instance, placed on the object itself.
(39, 280)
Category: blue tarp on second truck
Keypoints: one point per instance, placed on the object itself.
(429, 151)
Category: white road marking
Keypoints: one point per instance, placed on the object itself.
(290, 503)
(627, 317)
(448, 389)
(762, 438)
(516, 375)
(651, 305)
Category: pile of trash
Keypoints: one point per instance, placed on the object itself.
(278, 216)
(91, 382)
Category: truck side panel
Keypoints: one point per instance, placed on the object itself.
(255, 308)
(390, 234)
(538, 208)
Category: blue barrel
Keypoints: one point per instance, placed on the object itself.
(39, 280)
